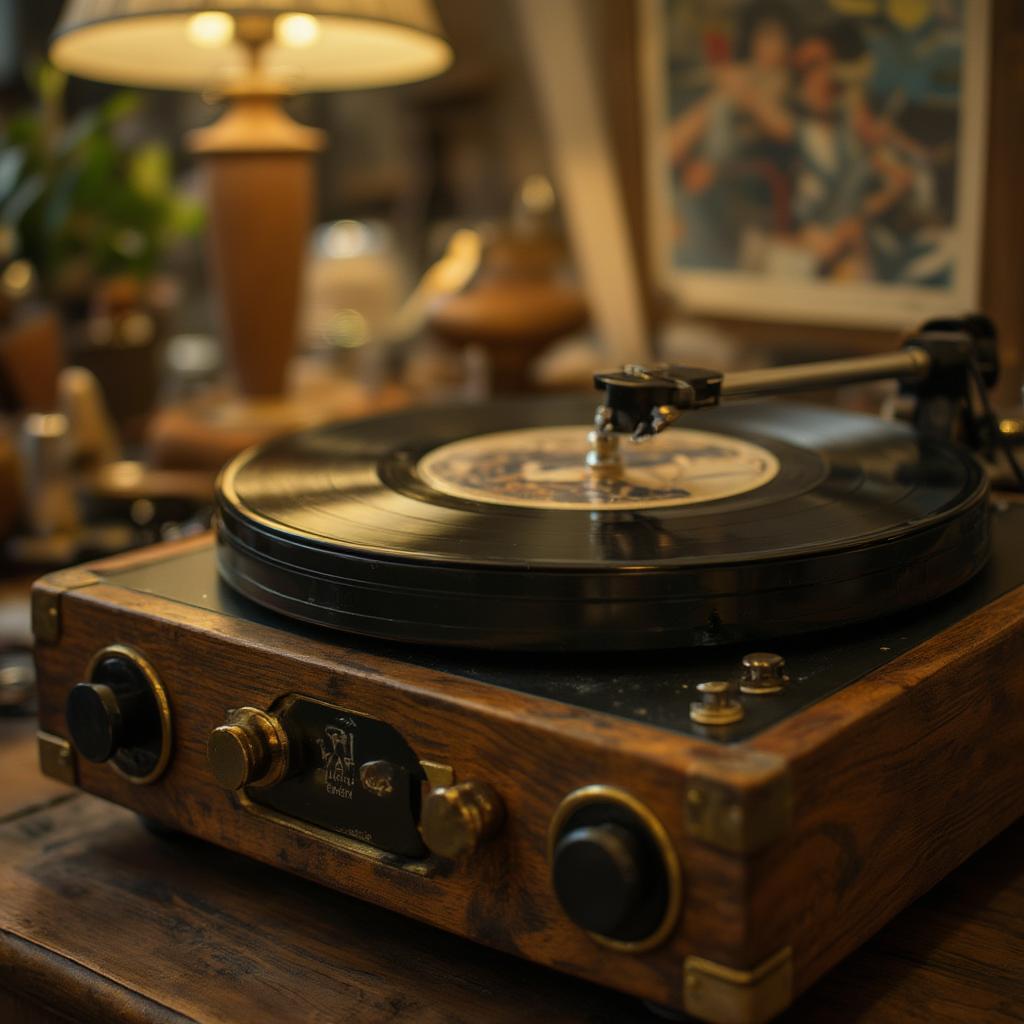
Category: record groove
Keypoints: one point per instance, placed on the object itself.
(337, 526)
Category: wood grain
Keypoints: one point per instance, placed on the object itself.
(256, 245)
(896, 779)
(209, 664)
(207, 936)
(22, 787)
(105, 922)
(101, 920)
(955, 955)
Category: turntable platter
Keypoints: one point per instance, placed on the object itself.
(480, 526)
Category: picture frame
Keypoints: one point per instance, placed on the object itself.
(856, 207)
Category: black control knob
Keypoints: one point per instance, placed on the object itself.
(120, 715)
(613, 868)
(597, 873)
(96, 721)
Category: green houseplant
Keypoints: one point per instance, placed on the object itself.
(80, 204)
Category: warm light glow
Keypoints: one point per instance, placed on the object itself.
(349, 329)
(17, 278)
(346, 239)
(460, 262)
(296, 30)
(537, 194)
(211, 29)
(195, 50)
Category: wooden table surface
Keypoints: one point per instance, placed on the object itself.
(102, 921)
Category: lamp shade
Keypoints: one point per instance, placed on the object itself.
(188, 45)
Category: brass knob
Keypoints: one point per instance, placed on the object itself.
(457, 819)
(763, 673)
(250, 749)
(718, 704)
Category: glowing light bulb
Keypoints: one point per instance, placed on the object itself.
(537, 193)
(346, 239)
(296, 30)
(211, 29)
(17, 278)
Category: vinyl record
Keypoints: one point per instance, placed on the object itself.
(481, 526)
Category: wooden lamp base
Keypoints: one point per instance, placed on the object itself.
(260, 178)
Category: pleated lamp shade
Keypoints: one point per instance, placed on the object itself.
(183, 44)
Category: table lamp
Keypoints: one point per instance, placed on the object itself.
(258, 160)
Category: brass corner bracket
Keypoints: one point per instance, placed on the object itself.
(724, 995)
(46, 595)
(56, 758)
(46, 616)
(736, 818)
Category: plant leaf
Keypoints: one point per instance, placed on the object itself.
(149, 170)
(25, 196)
(12, 163)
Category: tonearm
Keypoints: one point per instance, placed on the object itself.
(939, 365)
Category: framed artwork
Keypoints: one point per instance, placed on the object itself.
(817, 162)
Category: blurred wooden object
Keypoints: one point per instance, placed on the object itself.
(94, 437)
(514, 308)
(31, 356)
(567, 76)
(617, 38)
(120, 340)
(25, 787)
(204, 432)
(10, 487)
(259, 172)
(128, 481)
(1003, 269)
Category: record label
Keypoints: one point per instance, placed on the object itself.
(544, 468)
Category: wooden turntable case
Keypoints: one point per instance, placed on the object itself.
(794, 846)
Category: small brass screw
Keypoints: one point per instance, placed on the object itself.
(717, 706)
(763, 673)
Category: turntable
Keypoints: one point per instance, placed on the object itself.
(687, 697)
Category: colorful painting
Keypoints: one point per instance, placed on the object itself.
(820, 160)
